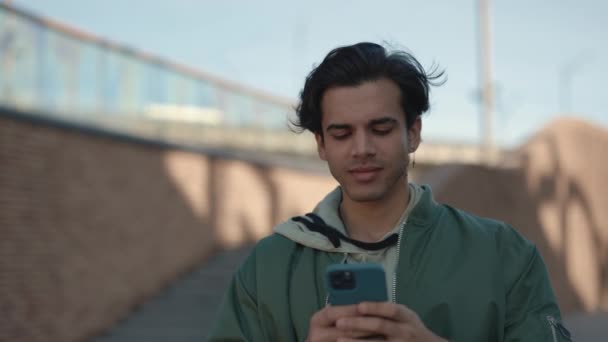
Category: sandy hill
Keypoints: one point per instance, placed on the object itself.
(557, 196)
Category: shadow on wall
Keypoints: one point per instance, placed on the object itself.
(554, 198)
(93, 224)
(90, 226)
(243, 200)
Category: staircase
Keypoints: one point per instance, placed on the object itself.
(185, 311)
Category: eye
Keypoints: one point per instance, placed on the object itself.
(341, 136)
(382, 130)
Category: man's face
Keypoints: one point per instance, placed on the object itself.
(365, 140)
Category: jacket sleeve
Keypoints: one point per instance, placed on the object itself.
(237, 318)
(532, 311)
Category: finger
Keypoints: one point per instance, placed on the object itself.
(374, 339)
(328, 316)
(325, 335)
(359, 334)
(369, 325)
(333, 334)
(395, 312)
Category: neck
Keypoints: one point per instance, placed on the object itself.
(370, 221)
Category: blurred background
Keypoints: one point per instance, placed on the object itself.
(144, 146)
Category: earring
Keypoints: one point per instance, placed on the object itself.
(414, 161)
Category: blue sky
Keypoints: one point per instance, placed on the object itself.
(272, 45)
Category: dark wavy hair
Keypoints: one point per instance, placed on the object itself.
(354, 64)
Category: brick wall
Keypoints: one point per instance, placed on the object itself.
(90, 226)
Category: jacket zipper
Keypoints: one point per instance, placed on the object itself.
(552, 323)
(394, 285)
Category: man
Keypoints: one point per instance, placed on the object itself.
(451, 275)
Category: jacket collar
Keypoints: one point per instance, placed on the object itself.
(426, 212)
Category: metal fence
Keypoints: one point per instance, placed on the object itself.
(66, 74)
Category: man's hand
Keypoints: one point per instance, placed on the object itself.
(323, 324)
(393, 321)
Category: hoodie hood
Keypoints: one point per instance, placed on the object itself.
(321, 228)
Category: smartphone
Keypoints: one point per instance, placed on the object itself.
(354, 283)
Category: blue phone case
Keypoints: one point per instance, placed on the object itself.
(354, 283)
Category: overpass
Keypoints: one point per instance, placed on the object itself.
(73, 77)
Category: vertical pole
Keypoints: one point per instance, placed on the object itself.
(487, 148)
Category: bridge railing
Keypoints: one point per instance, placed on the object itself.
(65, 74)
(49, 68)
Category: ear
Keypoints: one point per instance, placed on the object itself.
(413, 135)
(320, 146)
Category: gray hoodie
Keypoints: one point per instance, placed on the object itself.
(328, 210)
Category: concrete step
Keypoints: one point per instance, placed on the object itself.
(185, 310)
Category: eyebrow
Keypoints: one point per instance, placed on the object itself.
(374, 122)
(337, 127)
(381, 121)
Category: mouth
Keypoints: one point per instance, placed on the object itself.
(365, 174)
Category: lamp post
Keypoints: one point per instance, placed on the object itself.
(566, 73)
(487, 148)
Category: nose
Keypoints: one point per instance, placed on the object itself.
(363, 145)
